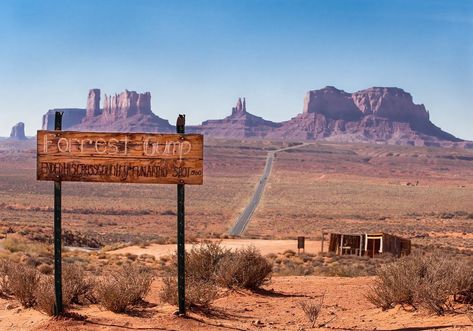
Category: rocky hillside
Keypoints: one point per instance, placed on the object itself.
(378, 115)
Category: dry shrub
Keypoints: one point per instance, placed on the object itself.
(432, 281)
(77, 286)
(120, 289)
(45, 296)
(209, 266)
(203, 260)
(6, 267)
(464, 283)
(18, 243)
(397, 282)
(245, 268)
(15, 243)
(45, 269)
(199, 293)
(312, 308)
(23, 282)
(201, 265)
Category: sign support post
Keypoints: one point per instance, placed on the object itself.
(58, 307)
(181, 252)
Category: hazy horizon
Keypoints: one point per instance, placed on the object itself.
(199, 57)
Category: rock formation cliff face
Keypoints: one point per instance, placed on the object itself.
(127, 104)
(128, 111)
(71, 117)
(377, 114)
(18, 131)
(332, 103)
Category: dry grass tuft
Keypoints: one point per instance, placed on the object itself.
(312, 309)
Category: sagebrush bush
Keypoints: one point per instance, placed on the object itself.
(23, 281)
(432, 281)
(45, 296)
(203, 260)
(209, 266)
(199, 293)
(120, 289)
(5, 269)
(245, 268)
(77, 286)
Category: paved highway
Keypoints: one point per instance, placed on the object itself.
(245, 217)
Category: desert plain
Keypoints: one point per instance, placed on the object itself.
(420, 193)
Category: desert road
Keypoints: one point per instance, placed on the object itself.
(244, 218)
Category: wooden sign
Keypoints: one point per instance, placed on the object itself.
(120, 157)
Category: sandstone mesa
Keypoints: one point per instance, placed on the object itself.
(384, 115)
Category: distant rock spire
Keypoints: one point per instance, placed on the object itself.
(240, 106)
(93, 103)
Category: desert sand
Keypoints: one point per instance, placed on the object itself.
(275, 308)
(264, 246)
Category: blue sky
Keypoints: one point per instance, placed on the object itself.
(197, 57)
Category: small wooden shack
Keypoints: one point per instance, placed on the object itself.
(369, 244)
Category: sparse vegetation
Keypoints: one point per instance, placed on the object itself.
(23, 281)
(326, 264)
(244, 268)
(78, 287)
(433, 281)
(209, 266)
(120, 289)
(6, 268)
(45, 296)
(199, 293)
(312, 309)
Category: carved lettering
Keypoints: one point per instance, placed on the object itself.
(120, 157)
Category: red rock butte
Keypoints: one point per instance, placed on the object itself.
(375, 115)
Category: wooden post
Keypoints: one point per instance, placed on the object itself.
(322, 244)
(181, 251)
(58, 307)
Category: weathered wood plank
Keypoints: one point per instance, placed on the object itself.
(120, 157)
